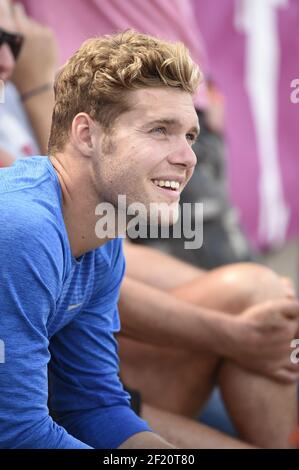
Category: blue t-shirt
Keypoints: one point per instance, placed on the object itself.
(58, 316)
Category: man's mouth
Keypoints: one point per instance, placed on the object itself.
(169, 185)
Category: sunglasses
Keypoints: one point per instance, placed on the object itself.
(14, 41)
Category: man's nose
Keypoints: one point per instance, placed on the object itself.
(183, 156)
(7, 62)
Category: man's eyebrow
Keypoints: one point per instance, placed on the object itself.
(171, 122)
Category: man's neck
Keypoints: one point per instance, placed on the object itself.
(78, 205)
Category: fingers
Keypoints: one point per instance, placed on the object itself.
(292, 368)
(19, 10)
(5, 9)
(290, 293)
(286, 376)
(287, 281)
(19, 13)
(286, 371)
(289, 308)
(289, 287)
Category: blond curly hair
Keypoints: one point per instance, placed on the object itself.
(97, 78)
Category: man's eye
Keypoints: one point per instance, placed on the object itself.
(191, 138)
(159, 130)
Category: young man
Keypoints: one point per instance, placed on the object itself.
(59, 281)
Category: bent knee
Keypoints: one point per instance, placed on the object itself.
(250, 283)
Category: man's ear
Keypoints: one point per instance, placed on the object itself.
(82, 131)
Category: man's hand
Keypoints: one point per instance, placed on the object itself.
(261, 337)
(289, 288)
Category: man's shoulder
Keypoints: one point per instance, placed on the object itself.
(29, 224)
(29, 202)
(27, 217)
(32, 245)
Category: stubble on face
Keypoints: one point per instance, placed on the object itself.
(130, 155)
(108, 146)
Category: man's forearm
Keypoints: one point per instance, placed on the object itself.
(175, 272)
(156, 317)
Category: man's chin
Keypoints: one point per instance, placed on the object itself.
(164, 215)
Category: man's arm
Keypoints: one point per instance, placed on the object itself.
(157, 317)
(27, 301)
(174, 273)
(258, 339)
(87, 396)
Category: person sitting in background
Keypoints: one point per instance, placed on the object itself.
(25, 115)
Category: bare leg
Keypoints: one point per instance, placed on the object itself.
(180, 382)
(263, 411)
(261, 393)
(237, 286)
(171, 379)
(186, 433)
(145, 440)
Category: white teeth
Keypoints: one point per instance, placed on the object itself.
(167, 184)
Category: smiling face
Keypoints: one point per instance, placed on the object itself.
(149, 156)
